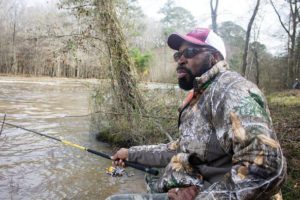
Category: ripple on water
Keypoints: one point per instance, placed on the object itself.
(34, 167)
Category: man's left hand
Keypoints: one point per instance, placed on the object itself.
(187, 193)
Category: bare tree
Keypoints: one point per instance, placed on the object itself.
(248, 33)
(255, 60)
(291, 29)
(14, 57)
(45, 41)
(214, 8)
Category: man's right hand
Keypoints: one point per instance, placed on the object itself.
(119, 157)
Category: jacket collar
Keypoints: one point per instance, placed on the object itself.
(202, 82)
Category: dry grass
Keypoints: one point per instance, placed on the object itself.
(285, 111)
(154, 126)
(286, 98)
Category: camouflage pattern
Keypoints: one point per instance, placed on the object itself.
(147, 154)
(163, 196)
(228, 119)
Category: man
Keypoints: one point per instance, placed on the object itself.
(296, 84)
(227, 147)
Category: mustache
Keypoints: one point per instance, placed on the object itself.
(183, 68)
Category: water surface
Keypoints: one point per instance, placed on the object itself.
(34, 167)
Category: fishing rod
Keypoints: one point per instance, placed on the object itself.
(66, 142)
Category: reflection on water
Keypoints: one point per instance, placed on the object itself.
(34, 167)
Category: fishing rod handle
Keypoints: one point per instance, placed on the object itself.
(128, 163)
(142, 168)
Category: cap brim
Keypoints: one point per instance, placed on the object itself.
(175, 41)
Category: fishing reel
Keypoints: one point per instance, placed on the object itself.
(115, 171)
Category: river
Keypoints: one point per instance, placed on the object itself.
(34, 167)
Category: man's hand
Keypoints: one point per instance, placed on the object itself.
(119, 157)
(187, 193)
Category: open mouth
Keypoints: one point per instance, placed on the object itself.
(181, 73)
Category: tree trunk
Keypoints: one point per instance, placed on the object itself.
(248, 33)
(213, 9)
(291, 30)
(298, 56)
(256, 62)
(293, 38)
(122, 81)
(14, 56)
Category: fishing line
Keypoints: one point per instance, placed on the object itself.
(3, 123)
(66, 142)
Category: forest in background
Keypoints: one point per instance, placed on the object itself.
(64, 39)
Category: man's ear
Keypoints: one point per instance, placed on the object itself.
(217, 56)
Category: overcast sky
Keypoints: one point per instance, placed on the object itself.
(238, 11)
(199, 8)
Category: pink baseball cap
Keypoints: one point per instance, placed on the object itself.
(198, 36)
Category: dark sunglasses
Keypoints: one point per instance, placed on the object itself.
(189, 52)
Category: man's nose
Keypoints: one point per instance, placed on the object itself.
(182, 60)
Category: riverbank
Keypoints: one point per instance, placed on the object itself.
(158, 124)
(45, 79)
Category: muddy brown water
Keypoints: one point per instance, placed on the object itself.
(34, 167)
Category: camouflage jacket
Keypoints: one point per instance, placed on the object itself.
(227, 145)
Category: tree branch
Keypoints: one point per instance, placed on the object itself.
(280, 20)
(76, 7)
(244, 66)
(216, 5)
(213, 10)
(61, 36)
(297, 12)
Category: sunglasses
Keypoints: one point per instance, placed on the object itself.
(189, 52)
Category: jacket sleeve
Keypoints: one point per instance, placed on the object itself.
(243, 126)
(153, 155)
